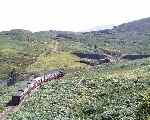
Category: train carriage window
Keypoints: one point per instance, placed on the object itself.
(50, 75)
(21, 90)
(55, 74)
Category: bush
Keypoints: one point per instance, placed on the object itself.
(144, 107)
(1, 109)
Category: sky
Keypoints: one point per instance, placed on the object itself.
(69, 15)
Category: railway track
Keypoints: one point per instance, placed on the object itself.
(32, 86)
(10, 109)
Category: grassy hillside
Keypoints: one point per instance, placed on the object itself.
(110, 92)
(114, 91)
(141, 25)
(26, 56)
(55, 60)
(8, 53)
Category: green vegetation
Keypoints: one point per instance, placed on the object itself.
(113, 91)
(99, 94)
(1, 109)
(55, 60)
(33, 56)
(7, 92)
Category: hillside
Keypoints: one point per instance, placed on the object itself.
(23, 47)
(20, 49)
(132, 37)
(141, 26)
(107, 72)
(110, 92)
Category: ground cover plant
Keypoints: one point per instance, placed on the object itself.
(113, 91)
(98, 94)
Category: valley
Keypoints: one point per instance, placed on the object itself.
(107, 73)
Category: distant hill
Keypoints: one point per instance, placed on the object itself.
(16, 34)
(138, 27)
(98, 28)
(142, 25)
(115, 91)
(132, 37)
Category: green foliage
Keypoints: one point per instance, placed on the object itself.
(107, 92)
(1, 109)
(102, 94)
(7, 92)
(36, 54)
(144, 108)
(55, 60)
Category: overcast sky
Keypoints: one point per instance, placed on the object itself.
(70, 15)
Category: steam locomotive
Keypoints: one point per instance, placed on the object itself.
(34, 84)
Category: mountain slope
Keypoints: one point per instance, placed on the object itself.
(105, 92)
(132, 37)
(110, 92)
(142, 26)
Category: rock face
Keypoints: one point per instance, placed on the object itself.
(134, 56)
(93, 59)
(90, 55)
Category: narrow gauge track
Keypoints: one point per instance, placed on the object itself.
(31, 86)
(9, 109)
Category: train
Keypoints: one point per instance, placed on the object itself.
(34, 84)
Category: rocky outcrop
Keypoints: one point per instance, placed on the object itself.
(134, 56)
(93, 59)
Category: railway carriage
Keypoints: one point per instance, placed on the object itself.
(33, 84)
